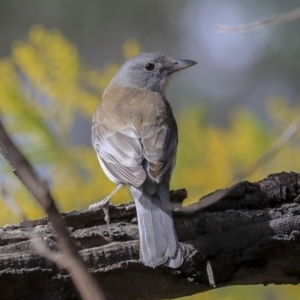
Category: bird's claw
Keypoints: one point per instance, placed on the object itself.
(104, 204)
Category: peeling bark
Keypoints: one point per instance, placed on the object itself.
(250, 236)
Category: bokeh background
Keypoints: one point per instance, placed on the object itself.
(56, 57)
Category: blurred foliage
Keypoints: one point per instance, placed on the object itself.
(44, 87)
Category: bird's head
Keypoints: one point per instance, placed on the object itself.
(149, 70)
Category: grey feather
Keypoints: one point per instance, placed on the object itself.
(158, 238)
(121, 153)
(160, 148)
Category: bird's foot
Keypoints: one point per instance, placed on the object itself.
(104, 204)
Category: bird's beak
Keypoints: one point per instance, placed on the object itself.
(181, 64)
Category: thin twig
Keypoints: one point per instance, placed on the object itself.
(7, 157)
(210, 199)
(207, 200)
(11, 202)
(286, 136)
(84, 281)
(39, 246)
(37, 242)
(281, 18)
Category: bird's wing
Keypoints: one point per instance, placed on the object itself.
(159, 148)
(121, 153)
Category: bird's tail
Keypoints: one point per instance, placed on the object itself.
(158, 239)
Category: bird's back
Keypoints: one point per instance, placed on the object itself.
(124, 106)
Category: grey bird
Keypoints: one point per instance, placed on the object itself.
(135, 136)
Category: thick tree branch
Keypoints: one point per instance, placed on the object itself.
(250, 236)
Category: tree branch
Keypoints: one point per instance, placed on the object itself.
(21, 167)
(274, 20)
(250, 236)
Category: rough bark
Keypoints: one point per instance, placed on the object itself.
(250, 236)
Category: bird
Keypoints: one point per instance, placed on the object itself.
(135, 136)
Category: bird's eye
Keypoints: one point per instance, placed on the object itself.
(149, 67)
